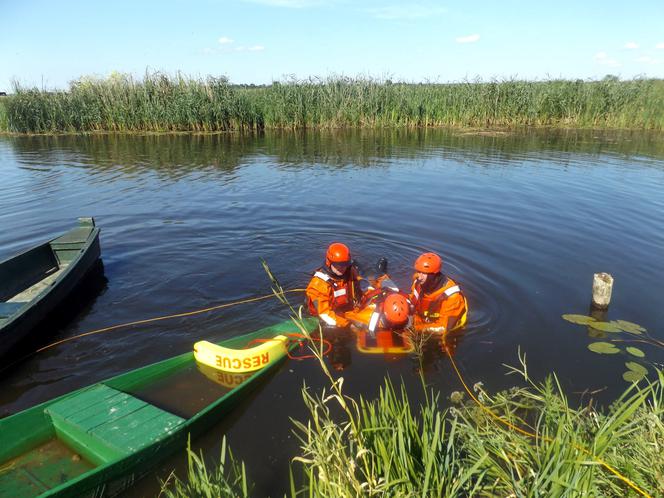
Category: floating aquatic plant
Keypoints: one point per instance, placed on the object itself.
(635, 351)
(603, 348)
(632, 328)
(632, 376)
(635, 371)
(579, 319)
(636, 367)
(605, 326)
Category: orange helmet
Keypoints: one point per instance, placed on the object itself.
(396, 309)
(337, 253)
(428, 262)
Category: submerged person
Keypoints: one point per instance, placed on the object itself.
(382, 306)
(380, 324)
(440, 306)
(335, 287)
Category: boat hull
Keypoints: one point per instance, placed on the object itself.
(33, 313)
(77, 420)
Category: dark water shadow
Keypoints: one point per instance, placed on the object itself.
(71, 311)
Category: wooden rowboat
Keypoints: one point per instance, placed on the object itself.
(97, 440)
(34, 283)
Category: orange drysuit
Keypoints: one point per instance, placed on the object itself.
(442, 309)
(329, 296)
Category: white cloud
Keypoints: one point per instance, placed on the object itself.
(660, 45)
(407, 12)
(603, 59)
(289, 4)
(256, 48)
(468, 39)
(631, 45)
(648, 60)
(225, 40)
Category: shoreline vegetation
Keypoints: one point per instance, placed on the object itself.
(178, 103)
(387, 447)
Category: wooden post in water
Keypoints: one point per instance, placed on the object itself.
(602, 287)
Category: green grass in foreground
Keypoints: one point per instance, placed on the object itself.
(390, 448)
(160, 102)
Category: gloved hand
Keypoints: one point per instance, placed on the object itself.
(381, 266)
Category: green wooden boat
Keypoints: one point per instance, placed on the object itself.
(34, 283)
(97, 440)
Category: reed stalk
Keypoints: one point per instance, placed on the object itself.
(161, 102)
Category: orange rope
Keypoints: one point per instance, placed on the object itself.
(148, 320)
(536, 436)
(296, 338)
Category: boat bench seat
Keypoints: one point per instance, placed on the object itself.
(75, 236)
(110, 423)
(8, 309)
(25, 270)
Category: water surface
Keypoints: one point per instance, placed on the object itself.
(522, 221)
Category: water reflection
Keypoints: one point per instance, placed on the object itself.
(178, 155)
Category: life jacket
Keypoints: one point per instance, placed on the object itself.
(427, 305)
(345, 289)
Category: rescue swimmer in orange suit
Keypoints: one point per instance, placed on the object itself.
(334, 288)
(440, 306)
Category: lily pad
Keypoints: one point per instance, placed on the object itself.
(632, 376)
(635, 351)
(605, 326)
(603, 348)
(580, 319)
(637, 367)
(632, 328)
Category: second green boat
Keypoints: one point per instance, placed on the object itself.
(97, 440)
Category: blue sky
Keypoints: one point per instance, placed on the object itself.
(258, 41)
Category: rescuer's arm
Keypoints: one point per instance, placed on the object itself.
(319, 294)
(449, 313)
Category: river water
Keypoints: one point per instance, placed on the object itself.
(522, 221)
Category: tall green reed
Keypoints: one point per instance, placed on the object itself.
(161, 102)
(228, 479)
(4, 121)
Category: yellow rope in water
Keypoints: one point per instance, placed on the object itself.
(156, 319)
(536, 436)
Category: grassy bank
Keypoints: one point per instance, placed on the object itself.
(176, 103)
(390, 448)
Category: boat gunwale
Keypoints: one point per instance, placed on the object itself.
(66, 271)
(179, 361)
